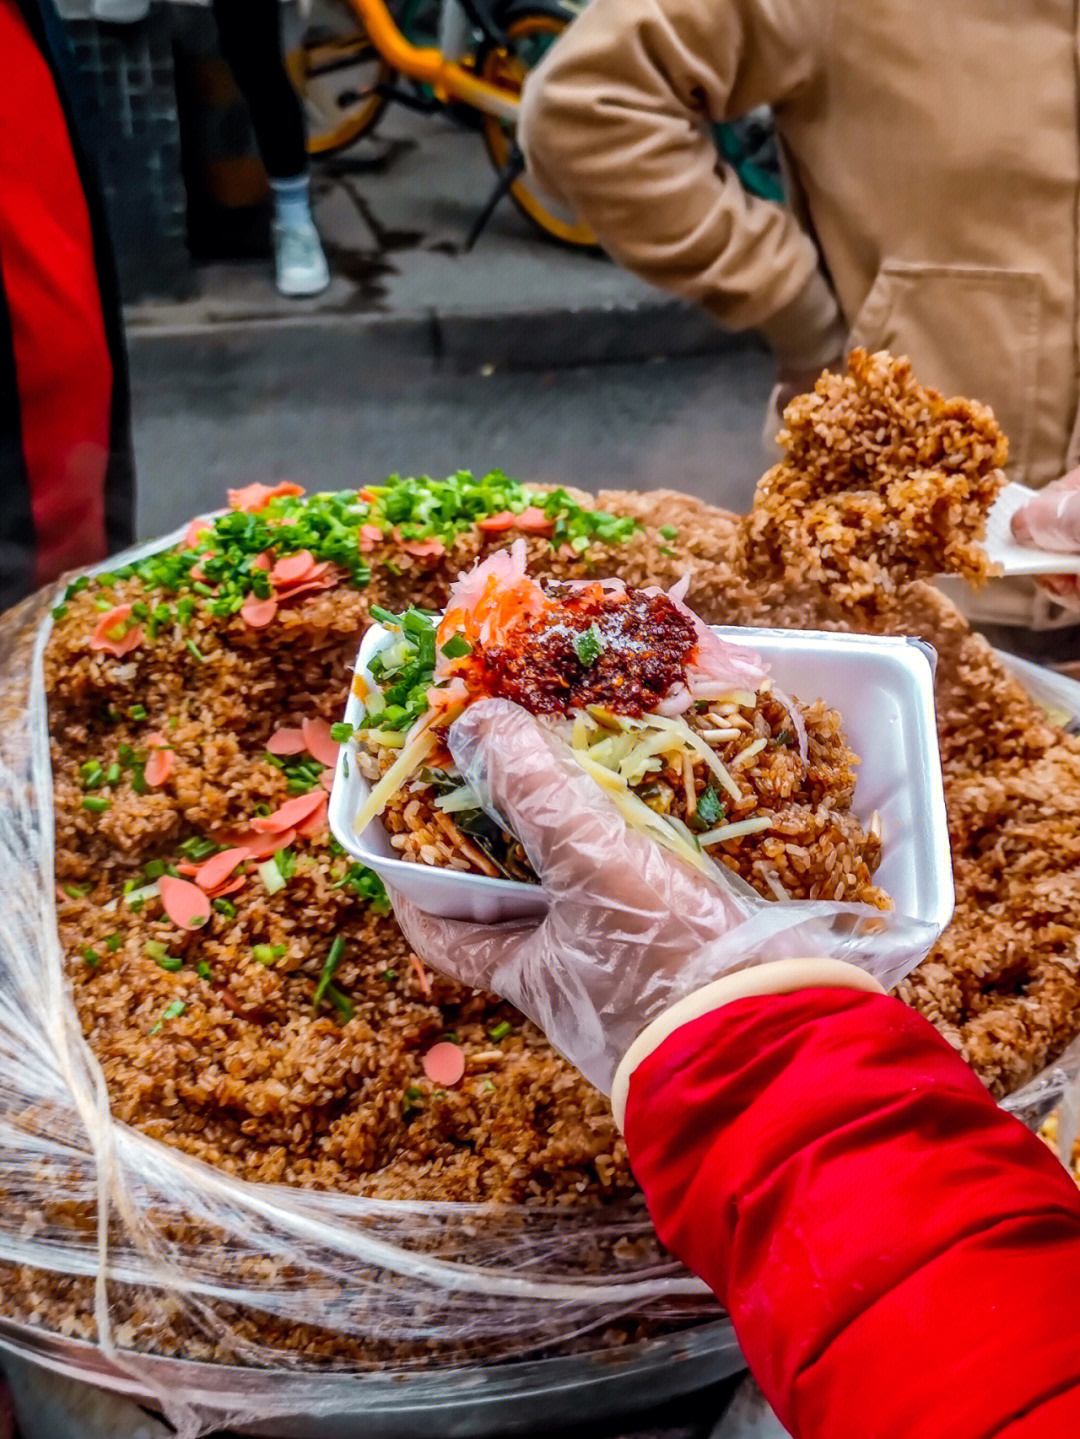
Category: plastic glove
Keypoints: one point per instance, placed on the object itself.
(630, 929)
(1051, 521)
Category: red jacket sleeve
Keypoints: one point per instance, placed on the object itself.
(900, 1258)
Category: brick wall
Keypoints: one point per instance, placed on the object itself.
(127, 74)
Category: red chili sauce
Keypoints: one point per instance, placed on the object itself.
(646, 645)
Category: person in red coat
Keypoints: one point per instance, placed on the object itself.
(898, 1255)
(66, 466)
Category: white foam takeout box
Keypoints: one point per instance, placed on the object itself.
(883, 689)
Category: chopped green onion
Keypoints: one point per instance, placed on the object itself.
(96, 804)
(271, 876)
(138, 780)
(196, 651)
(102, 604)
(341, 732)
(488, 1085)
(341, 1002)
(171, 1011)
(154, 868)
(185, 608)
(76, 587)
(389, 975)
(89, 768)
(171, 962)
(113, 942)
(137, 897)
(141, 610)
(203, 970)
(225, 907)
(457, 647)
(337, 949)
(385, 617)
(91, 957)
(669, 532)
(201, 589)
(285, 859)
(77, 891)
(500, 1031)
(137, 712)
(266, 953)
(196, 848)
(113, 775)
(59, 611)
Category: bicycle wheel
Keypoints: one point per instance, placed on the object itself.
(340, 76)
(531, 28)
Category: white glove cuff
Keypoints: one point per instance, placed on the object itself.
(783, 976)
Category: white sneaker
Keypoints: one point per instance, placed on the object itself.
(299, 263)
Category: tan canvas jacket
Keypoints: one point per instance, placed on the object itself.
(934, 148)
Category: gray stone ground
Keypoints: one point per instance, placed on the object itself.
(267, 407)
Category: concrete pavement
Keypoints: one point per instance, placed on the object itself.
(394, 212)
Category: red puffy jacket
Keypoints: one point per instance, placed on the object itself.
(66, 471)
(900, 1258)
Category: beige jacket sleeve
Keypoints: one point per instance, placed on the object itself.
(615, 123)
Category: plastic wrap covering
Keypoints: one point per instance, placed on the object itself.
(110, 1236)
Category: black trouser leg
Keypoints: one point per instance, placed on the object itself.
(249, 32)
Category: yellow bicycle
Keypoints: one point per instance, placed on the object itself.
(355, 56)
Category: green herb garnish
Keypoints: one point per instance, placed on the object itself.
(589, 645)
(500, 1031)
(457, 647)
(710, 811)
(96, 804)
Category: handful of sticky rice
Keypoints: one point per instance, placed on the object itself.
(884, 482)
(693, 741)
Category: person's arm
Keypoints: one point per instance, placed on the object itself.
(616, 123)
(897, 1253)
(899, 1256)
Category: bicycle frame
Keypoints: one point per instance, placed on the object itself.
(449, 80)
